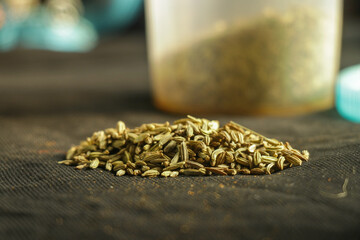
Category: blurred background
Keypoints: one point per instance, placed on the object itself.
(56, 49)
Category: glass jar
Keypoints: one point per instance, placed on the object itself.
(272, 57)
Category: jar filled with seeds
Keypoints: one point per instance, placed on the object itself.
(265, 57)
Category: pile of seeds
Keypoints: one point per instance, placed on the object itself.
(190, 146)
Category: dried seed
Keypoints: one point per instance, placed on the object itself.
(67, 162)
(120, 172)
(306, 154)
(148, 140)
(193, 172)
(120, 126)
(216, 153)
(179, 139)
(94, 163)
(257, 171)
(268, 159)
(166, 173)
(114, 158)
(70, 154)
(194, 119)
(268, 167)
(226, 135)
(193, 164)
(229, 157)
(197, 146)
(174, 174)
(108, 166)
(235, 126)
(174, 166)
(146, 147)
(81, 166)
(130, 171)
(288, 146)
(207, 140)
(252, 148)
(140, 163)
(141, 137)
(119, 166)
(245, 171)
(242, 161)
(200, 160)
(189, 131)
(132, 136)
(158, 160)
(101, 138)
(112, 132)
(199, 138)
(184, 154)
(274, 148)
(150, 173)
(137, 150)
(231, 172)
(95, 154)
(220, 159)
(257, 158)
(170, 146)
(130, 165)
(216, 170)
(272, 141)
(118, 143)
(165, 138)
(175, 159)
(147, 156)
(293, 160)
(280, 162)
(145, 168)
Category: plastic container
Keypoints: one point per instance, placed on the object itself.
(272, 57)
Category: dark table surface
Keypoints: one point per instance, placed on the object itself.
(49, 101)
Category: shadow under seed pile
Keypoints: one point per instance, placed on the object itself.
(190, 146)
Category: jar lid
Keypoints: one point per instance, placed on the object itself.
(348, 93)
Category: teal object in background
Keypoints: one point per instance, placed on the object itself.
(348, 93)
(112, 15)
(40, 33)
(40, 30)
(9, 34)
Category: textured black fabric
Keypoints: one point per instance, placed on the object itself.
(50, 101)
